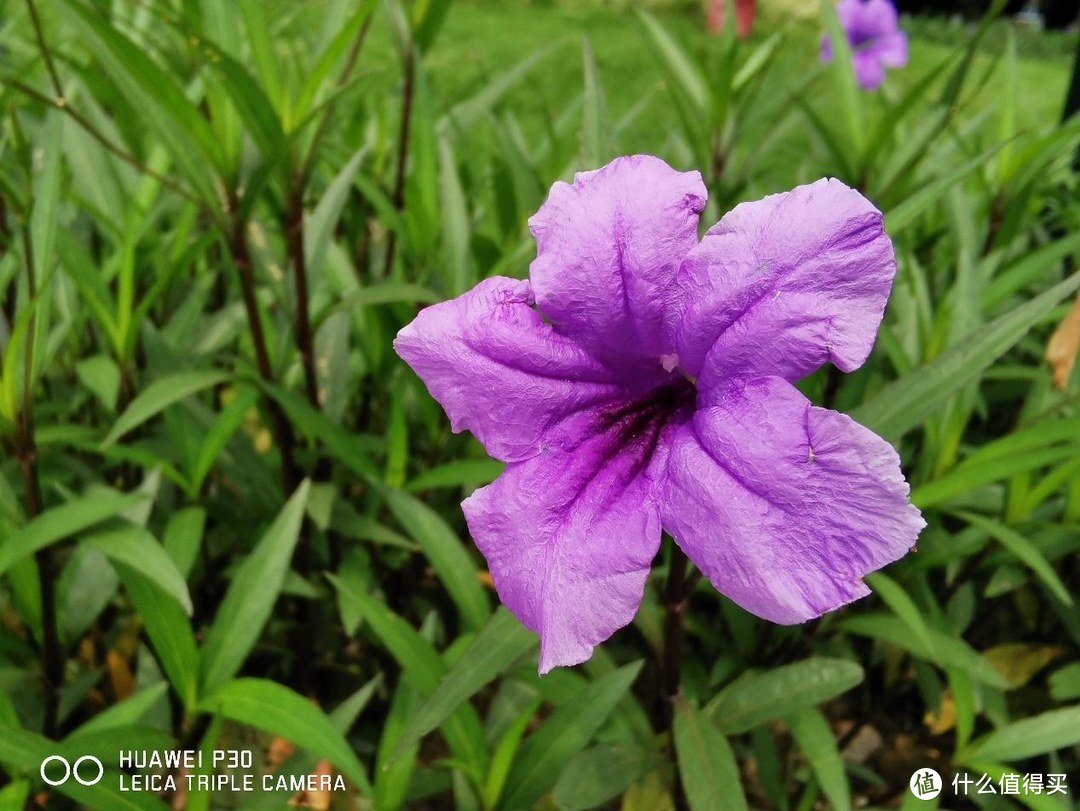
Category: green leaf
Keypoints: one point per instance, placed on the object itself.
(760, 697)
(25, 751)
(600, 774)
(458, 473)
(1037, 735)
(158, 396)
(125, 713)
(1024, 550)
(843, 73)
(901, 604)
(446, 553)
(595, 147)
(251, 597)
(153, 92)
(565, 733)
(422, 668)
(1065, 683)
(62, 522)
(688, 87)
(707, 766)
(137, 548)
(465, 114)
(500, 643)
(221, 430)
(169, 632)
(320, 226)
(276, 709)
(816, 740)
(900, 216)
(907, 401)
(948, 650)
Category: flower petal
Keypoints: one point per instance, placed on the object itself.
(782, 505)
(781, 285)
(499, 371)
(891, 50)
(869, 71)
(608, 247)
(569, 538)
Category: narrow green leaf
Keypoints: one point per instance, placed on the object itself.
(595, 149)
(500, 643)
(1036, 735)
(422, 667)
(446, 553)
(251, 596)
(900, 216)
(458, 473)
(169, 632)
(601, 774)
(62, 522)
(707, 765)
(565, 733)
(894, 596)
(907, 401)
(760, 697)
(174, 120)
(24, 752)
(125, 713)
(816, 740)
(276, 709)
(1024, 550)
(158, 396)
(843, 73)
(137, 548)
(948, 650)
(320, 226)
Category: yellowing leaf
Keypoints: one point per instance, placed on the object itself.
(940, 721)
(1018, 662)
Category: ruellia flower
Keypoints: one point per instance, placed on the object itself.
(873, 32)
(641, 381)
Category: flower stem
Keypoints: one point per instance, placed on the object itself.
(676, 598)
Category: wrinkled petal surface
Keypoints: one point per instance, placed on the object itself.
(499, 371)
(608, 247)
(782, 505)
(569, 537)
(781, 285)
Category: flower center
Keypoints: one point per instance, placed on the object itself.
(635, 427)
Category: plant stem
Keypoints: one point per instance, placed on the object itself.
(26, 452)
(409, 65)
(676, 598)
(294, 240)
(282, 428)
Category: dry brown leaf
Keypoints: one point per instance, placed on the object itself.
(1063, 346)
(280, 750)
(318, 800)
(120, 676)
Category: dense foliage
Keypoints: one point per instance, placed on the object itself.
(229, 513)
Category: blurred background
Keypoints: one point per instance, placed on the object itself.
(229, 514)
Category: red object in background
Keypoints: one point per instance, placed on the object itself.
(745, 11)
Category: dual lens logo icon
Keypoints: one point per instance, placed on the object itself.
(86, 765)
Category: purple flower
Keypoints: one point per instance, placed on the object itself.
(876, 41)
(641, 381)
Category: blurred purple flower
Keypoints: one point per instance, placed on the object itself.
(873, 32)
(641, 381)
